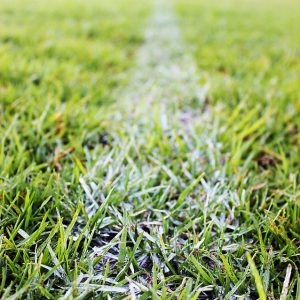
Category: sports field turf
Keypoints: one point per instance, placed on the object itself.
(149, 149)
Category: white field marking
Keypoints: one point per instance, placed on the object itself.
(163, 78)
(165, 73)
(163, 81)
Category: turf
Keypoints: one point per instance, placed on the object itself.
(252, 67)
(100, 198)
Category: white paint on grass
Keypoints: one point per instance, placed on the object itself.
(165, 73)
(162, 83)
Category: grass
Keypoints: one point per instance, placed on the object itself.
(94, 204)
(252, 67)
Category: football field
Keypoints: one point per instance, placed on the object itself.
(150, 149)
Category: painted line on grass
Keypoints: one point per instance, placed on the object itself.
(162, 82)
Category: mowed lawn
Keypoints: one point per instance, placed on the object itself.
(248, 52)
(214, 214)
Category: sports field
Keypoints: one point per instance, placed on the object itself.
(150, 149)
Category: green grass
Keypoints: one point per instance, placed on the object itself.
(93, 204)
(248, 53)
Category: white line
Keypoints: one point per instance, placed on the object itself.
(165, 72)
(163, 79)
